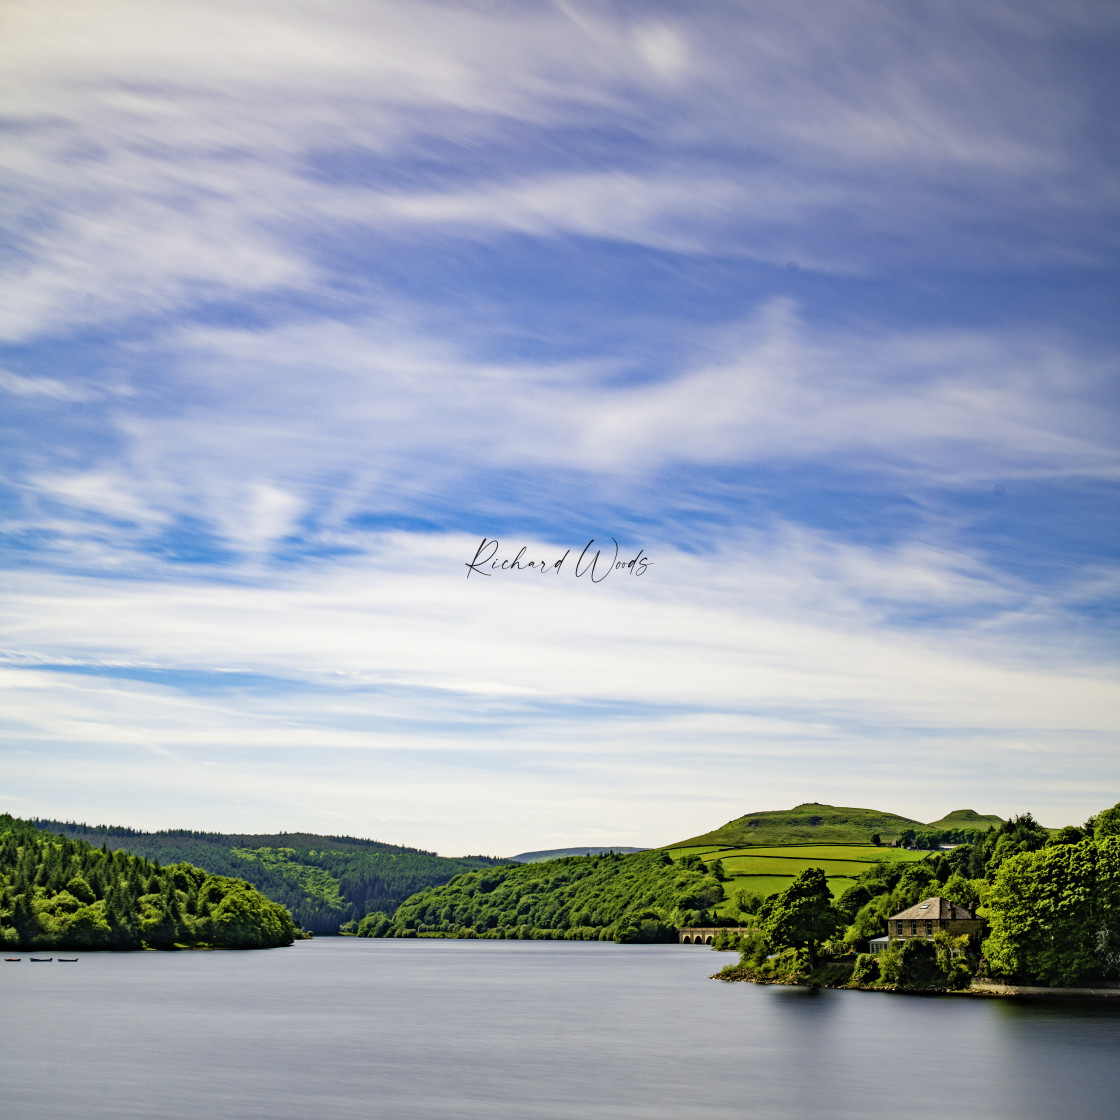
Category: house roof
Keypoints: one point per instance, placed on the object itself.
(933, 908)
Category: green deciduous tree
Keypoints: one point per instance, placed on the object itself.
(1055, 914)
(1107, 823)
(803, 915)
(866, 970)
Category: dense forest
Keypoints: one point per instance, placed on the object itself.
(326, 882)
(640, 897)
(1052, 903)
(60, 893)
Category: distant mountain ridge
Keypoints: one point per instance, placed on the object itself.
(560, 853)
(815, 823)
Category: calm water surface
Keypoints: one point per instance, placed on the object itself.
(552, 1030)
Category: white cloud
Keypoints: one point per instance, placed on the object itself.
(39, 387)
(709, 677)
(303, 426)
(164, 156)
(162, 150)
(758, 626)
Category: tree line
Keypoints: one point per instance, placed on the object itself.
(60, 893)
(1052, 904)
(325, 882)
(607, 897)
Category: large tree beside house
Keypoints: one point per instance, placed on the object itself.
(1055, 914)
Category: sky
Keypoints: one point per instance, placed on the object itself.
(810, 310)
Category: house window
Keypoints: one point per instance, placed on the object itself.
(929, 929)
(913, 929)
(899, 924)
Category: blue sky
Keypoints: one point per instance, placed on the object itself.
(813, 304)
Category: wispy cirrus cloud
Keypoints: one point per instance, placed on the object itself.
(165, 156)
(376, 417)
(300, 301)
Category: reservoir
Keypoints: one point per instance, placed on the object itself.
(526, 1030)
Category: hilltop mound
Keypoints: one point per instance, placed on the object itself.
(966, 818)
(810, 823)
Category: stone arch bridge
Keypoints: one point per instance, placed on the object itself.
(702, 935)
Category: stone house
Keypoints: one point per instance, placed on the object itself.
(930, 916)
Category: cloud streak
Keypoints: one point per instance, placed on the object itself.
(299, 302)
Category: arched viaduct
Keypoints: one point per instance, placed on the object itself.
(702, 935)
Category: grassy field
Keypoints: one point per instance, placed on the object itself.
(697, 850)
(768, 870)
(863, 853)
(735, 866)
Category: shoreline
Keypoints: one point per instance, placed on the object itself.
(984, 989)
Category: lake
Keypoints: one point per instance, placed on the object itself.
(415, 1030)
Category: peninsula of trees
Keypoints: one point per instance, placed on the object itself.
(60, 893)
(1052, 901)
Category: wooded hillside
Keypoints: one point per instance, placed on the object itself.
(325, 881)
(61, 893)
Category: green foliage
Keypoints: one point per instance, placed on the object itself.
(758, 871)
(60, 893)
(853, 900)
(374, 925)
(969, 893)
(1055, 914)
(727, 939)
(635, 897)
(748, 902)
(866, 970)
(917, 963)
(1107, 823)
(325, 881)
(645, 928)
(802, 916)
(1019, 834)
(870, 921)
(754, 947)
(791, 966)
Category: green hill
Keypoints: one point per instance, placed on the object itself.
(966, 818)
(60, 893)
(810, 823)
(325, 881)
(611, 897)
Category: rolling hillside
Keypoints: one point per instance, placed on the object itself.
(810, 823)
(758, 872)
(814, 823)
(325, 881)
